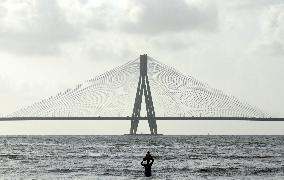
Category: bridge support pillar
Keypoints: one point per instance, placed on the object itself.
(143, 88)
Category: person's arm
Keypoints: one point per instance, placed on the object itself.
(142, 163)
(152, 162)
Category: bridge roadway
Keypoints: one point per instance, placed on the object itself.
(141, 118)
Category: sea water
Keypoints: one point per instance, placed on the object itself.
(119, 157)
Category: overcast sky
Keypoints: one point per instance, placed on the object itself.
(47, 46)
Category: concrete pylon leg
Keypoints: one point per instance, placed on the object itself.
(155, 128)
(150, 126)
(143, 88)
(131, 128)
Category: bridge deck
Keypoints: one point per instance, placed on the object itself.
(141, 118)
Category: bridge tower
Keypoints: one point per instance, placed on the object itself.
(143, 88)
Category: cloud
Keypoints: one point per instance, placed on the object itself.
(34, 28)
(272, 48)
(176, 42)
(159, 16)
(3, 11)
(144, 25)
(50, 27)
(251, 4)
(271, 41)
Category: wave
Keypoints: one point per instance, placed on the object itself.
(216, 170)
(247, 156)
(13, 156)
(267, 170)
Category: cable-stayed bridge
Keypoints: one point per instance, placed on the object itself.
(121, 93)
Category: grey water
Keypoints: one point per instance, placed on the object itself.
(119, 157)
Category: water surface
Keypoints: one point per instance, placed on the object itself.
(118, 157)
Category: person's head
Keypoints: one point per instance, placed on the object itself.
(148, 152)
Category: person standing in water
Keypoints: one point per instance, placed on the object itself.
(149, 161)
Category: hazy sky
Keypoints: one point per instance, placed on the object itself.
(47, 46)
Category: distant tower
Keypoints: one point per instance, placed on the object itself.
(143, 87)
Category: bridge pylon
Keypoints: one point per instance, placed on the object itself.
(143, 88)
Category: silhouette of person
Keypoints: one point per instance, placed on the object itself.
(148, 156)
(148, 164)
